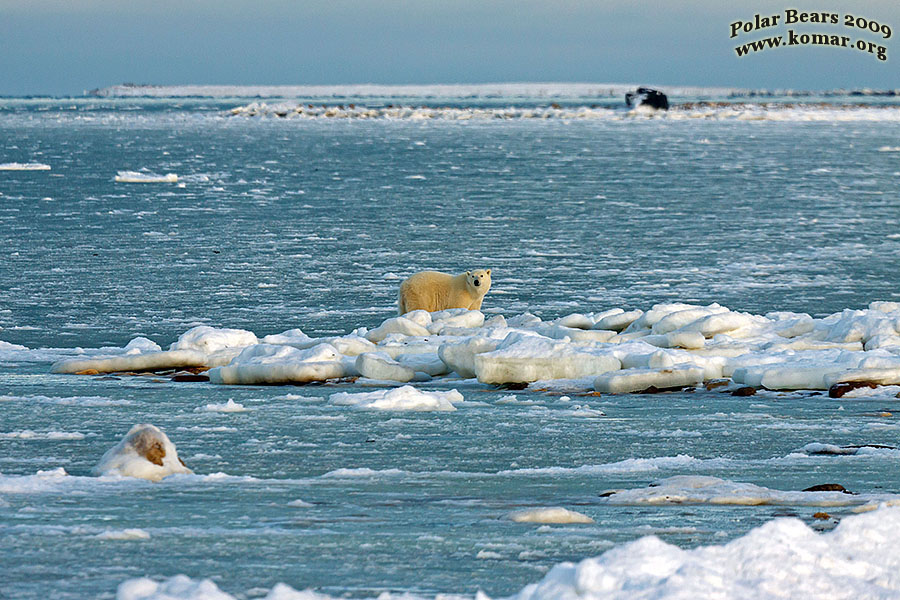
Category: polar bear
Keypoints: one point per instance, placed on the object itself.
(431, 291)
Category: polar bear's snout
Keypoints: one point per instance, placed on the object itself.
(477, 282)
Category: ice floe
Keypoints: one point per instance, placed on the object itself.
(14, 166)
(697, 489)
(669, 345)
(145, 452)
(554, 515)
(143, 177)
(402, 398)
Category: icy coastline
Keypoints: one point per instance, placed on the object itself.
(668, 346)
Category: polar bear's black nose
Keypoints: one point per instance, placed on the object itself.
(477, 282)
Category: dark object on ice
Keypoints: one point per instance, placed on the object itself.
(717, 383)
(647, 97)
(828, 487)
(183, 376)
(822, 516)
(513, 385)
(839, 389)
(744, 391)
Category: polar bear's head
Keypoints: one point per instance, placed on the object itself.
(479, 281)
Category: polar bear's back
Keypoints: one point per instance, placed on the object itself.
(432, 290)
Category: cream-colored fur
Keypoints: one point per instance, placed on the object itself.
(431, 291)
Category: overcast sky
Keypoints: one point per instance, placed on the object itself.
(68, 46)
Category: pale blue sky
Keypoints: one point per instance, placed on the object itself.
(68, 46)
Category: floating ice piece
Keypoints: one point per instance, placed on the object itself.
(638, 380)
(526, 358)
(291, 337)
(14, 166)
(618, 321)
(561, 332)
(402, 398)
(145, 452)
(400, 325)
(575, 321)
(124, 534)
(455, 319)
(460, 356)
(210, 339)
(228, 407)
(378, 365)
(697, 489)
(680, 318)
(554, 514)
(424, 362)
(149, 361)
(267, 363)
(139, 177)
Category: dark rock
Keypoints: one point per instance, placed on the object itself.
(189, 377)
(839, 389)
(744, 391)
(647, 97)
(513, 385)
(828, 487)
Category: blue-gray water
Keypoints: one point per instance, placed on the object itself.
(308, 224)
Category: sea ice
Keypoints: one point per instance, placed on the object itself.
(139, 177)
(554, 514)
(14, 166)
(402, 398)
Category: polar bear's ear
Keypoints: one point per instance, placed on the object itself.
(488, 271)
(468, 273)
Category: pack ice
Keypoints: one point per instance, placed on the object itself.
(620, 350)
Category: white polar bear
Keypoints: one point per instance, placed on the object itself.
(431, 291)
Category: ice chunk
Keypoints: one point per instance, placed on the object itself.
(679, 318)
(401, 325)
(210, 339)
(149, 361)
(139, 177)
(676, 339)
(33, 166)
(402, 398)
(145, 452)
(267, 363)
(420, 317)
(554, 514)
(526, 358)
(560, 332)
(378, 365)
(424, 362)
(575, 321)
(291, 337)
(455, 318)
(637, 380)
(696, 489)
(460, 356)
(617, 321)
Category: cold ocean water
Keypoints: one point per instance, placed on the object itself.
(311, 223)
